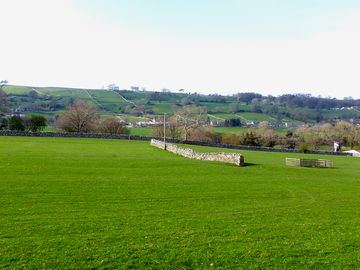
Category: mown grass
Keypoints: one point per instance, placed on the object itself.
(141, 131)
(240, 130)
(112, 204)
(231, 130)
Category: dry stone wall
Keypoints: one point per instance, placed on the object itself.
(232, 158)
(145, 138)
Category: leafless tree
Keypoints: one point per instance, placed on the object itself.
(172, 131)
(189, 118)
(112, 125)
(79, 117)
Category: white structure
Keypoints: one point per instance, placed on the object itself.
(354, 153)
(336, 146)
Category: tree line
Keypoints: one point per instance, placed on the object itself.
(192, 123)
(78, 117)
(320, 136)
(33, 123)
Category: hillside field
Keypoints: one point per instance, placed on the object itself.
(115, 204)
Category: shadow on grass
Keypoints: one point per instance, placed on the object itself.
(247, 164)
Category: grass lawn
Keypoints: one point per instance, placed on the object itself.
(113, 204)
(233, 130)
(141, 131)
(239, 130)
(257, 117)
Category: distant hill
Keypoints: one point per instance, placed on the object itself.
(250, 108)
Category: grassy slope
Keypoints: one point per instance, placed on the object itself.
(246, 116)
(82, 203)
(110, 102)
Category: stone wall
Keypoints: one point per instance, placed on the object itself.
(145, 138)
(74, 135)
(232, 158)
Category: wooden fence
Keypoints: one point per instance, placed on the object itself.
(302, 162)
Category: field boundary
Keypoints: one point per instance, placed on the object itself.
(147, 138)
(304, 162)
(232, 158)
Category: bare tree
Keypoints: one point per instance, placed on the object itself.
(189, 118)
(112, 125)
(172, 131)
(79, 117)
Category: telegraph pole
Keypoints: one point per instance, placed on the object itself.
(165, 131)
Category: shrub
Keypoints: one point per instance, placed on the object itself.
(113, 125)
(4, 123)
(230, 139)
(304, 148)
(250, 138)
(16, 123)
(35, 123)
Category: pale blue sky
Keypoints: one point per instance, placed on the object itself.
(229, 19)
(268, 46)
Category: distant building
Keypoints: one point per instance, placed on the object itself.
(113, 87)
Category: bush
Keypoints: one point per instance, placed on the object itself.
(35, 123)
(250, 138)
(16, 123)
(234, 122)
(230, 139)
(304, 148)
(112, 125)
(204, 135)
(4, 123)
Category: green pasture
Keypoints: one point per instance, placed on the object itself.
(223, 107)
(223, 116)
(115, 204)
(145, 131)
(16, 90)
(341, 113)
(64, 92)
(161, 108)
(232, 130)
(245, 116)
(130, 118)
(239, 130)
(256, 117)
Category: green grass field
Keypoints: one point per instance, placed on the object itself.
(240, 130)
(113, 204)
(232, 130)
(17, 90)
(246, 116)
(145, 131)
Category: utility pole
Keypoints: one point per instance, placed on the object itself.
(164, 131)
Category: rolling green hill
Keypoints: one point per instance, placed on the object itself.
(52, 101)
(112, 204)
